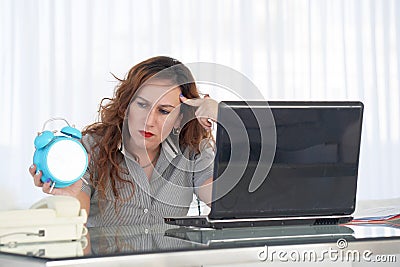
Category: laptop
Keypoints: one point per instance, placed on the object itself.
(283, 163)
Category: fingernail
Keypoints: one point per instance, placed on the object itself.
(48, 180)
(37, 172)
(32, 166)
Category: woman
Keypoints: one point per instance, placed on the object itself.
(148, 151)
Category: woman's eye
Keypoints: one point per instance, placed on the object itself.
(165, 112)
(142, 105)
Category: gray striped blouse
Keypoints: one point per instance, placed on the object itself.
(168, 192)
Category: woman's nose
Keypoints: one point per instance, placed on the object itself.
(151, 118)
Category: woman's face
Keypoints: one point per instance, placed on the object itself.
(153, 114)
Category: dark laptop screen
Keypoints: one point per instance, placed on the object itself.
(314, 167)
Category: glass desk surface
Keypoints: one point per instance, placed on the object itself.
(114, 242)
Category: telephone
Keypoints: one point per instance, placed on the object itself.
(54, 218)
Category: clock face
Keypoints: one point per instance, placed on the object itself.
(66, 160)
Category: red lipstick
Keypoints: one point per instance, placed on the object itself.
(146, 134)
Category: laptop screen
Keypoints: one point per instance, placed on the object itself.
(307, 156)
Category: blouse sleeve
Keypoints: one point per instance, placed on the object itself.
(203, 167)
(87, 142)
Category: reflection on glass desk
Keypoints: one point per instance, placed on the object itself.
(262, 235)
(167, 245)
(53, 250)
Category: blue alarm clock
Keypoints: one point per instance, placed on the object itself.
(60, 156)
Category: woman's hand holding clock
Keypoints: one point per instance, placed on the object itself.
(72, 190)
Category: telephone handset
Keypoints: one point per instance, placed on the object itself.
(54, 218)
(64, 206)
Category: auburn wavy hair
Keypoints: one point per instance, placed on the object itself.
(106, 157)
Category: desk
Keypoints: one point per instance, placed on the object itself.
(162, 245)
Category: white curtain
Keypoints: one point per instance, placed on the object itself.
(57, 58)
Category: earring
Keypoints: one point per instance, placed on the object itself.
(176, 131)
